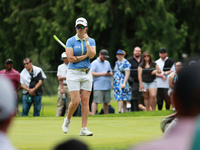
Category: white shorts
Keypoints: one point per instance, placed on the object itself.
(77, 80)
(169, 91)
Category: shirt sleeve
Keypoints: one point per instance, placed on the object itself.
(92, 43)
(110, 68)
(173, 67)
(69, 43)
(58, 71)
(39, 76)
(18, 77)
(127, 65)
(93, 67)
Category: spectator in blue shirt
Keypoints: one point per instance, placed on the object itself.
(101, 71)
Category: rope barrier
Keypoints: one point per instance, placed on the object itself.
(51, 71)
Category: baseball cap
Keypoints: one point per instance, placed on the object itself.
(64, 55)
(7, 99)
(8, 60)
(163, 50)
(120, 52)
(82, 21)
(104, 52)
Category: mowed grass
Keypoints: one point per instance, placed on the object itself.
(113, 131)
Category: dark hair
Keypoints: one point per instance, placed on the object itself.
(143, 63)
(28, 59)
(187, 89)
(71, 145)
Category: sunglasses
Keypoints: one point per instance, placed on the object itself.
(26, 64)
(146, 56)
(80, 27)
(9, 63)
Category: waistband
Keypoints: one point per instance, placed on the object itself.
(81, 70)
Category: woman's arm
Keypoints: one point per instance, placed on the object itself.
(156, 71)
(140, 77)
(127, 74)
(72, 58)
(91, 51)
(171, 82)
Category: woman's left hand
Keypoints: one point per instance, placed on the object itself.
(123, 85)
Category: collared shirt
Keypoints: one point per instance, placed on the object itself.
(160, 82)
(79, 48)
(25, 77)
(101, 82)
(13, 75)
(62, 71)
(5, 144)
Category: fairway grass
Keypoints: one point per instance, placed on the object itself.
(43, 133)
(111, 132)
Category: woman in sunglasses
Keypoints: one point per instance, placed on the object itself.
(147, 79)
(79, 49)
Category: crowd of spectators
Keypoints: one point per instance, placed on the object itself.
(138, 81)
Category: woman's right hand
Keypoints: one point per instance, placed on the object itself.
(141, 87)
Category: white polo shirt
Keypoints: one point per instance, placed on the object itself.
(160, 82)
(62, 71)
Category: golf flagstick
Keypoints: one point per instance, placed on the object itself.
(63, 45)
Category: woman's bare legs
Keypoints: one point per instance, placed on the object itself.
(85, 95)
(75, 97)
(153, 98)
(146, 100)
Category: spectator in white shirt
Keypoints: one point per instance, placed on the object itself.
(166, 65)
(63, 92)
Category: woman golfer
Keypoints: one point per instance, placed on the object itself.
(79, 49)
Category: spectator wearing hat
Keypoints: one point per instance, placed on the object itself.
(7, 112)
(122, 90)
(79, 49)
(63, 92)
(101, 71)
(31, 79)
(167, 65)
(12, 74)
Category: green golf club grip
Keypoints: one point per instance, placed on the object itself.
(55, 37)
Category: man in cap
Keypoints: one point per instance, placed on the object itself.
(7, 111)
(101, 71)
(167, 65)
(63, 92)
(12, 74)
(31, 79)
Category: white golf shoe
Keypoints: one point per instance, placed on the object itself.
(85, 132)
(65, 126)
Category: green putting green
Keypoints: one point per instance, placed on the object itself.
(113, 131)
